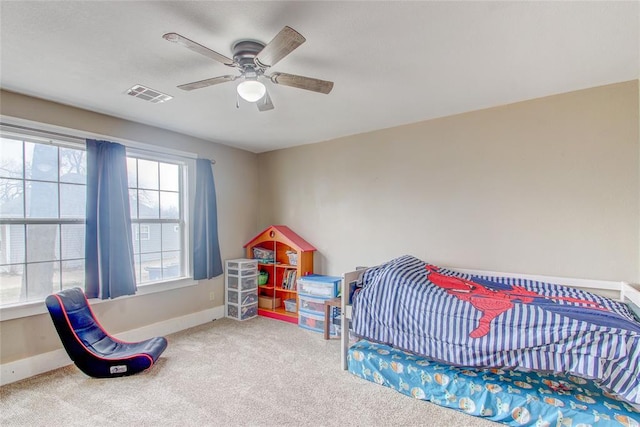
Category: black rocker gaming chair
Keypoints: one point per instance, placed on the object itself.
(93, 350)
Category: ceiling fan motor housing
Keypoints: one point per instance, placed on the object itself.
(244, 53)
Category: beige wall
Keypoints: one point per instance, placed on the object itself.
(548, 186)
(235, 174)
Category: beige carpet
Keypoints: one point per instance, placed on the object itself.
(259, 372)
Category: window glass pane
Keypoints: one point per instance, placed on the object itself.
(11, 278)
(42, 199)
(150, 238)
(169, 177)
(132, 172)
(151, 270)
(73, 165)
(73, 274)
(41, 161)
(148, 174)
(10, 158)
(171, 237)
(11, 244)
(43, 278)
(169, 205)
(170, 264)
(148, 204)
(42, 243)
(11, 198)
(72, 201)
(72, 241)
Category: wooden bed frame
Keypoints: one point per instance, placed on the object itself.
(620, 291)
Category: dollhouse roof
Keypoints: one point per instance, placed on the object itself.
(289, 234)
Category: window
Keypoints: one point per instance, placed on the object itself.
(42, 199)
(42, 216)
(157, 218)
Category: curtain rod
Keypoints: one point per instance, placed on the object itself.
(79, 139)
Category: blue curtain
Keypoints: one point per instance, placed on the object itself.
(109, 267)
(206, 249)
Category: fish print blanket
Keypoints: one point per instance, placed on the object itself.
(510, 397)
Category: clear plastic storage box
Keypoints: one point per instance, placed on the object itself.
(246, 297)
(242, 267)
(318, 285)
(290, 305)
(243, 313)
(313, 305)
(242, 264)
(315, 323)
(244, 283)
(263, 255)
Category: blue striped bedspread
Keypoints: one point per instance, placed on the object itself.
(498, 322)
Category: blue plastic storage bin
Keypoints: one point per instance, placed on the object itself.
(316, 285)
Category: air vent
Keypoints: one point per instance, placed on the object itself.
(148, 94)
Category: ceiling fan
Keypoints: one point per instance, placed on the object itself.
(253, 59)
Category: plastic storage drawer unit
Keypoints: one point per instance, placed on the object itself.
(241, 291)
(319, 286)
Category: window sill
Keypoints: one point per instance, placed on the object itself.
(152, 288)
(36, 308)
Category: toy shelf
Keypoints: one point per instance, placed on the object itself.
(285, 257)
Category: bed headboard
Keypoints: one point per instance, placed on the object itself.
(606, 288)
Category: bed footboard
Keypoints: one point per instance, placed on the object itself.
(347, 279)
(631, 296)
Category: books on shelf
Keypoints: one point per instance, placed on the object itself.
(289, 280)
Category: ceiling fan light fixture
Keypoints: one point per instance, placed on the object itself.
(251, 90)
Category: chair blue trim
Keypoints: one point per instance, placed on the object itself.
(92, 349)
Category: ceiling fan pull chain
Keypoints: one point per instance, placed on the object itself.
(237, 100)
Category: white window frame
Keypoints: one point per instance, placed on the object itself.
(184, 220)
(43, 134)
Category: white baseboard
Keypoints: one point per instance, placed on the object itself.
(31, 366)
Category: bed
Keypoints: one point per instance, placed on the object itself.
(476, 320)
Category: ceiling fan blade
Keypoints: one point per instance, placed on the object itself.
(265, 103)
(190, 44)
(282, 44)
(207, 82)
(301, 82)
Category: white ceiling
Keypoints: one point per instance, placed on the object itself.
(392, 62)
